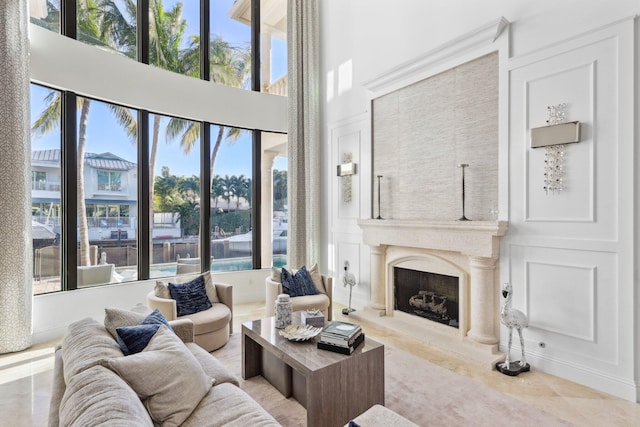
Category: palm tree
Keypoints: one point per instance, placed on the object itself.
(217, 190)
(228, 191)
(279, 189)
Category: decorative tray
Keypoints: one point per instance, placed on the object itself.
(300, 332)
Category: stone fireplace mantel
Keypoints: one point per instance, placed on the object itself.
(472, 238)
(477, 243)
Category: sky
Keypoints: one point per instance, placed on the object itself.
(104, 134)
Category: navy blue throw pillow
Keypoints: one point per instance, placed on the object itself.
(133, 339)
(191, 297)
(156, 317)
(304, 281)
(289, 284)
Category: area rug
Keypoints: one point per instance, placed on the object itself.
(420, 391)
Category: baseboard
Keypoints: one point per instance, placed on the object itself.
(624, 388)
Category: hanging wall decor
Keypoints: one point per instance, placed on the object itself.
(554, 138)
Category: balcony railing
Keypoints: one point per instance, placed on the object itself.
(279, 87)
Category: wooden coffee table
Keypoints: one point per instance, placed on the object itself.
(334, 388)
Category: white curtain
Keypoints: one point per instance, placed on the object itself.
(15, 179)
(304, 148)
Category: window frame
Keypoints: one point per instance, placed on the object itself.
(68, 161)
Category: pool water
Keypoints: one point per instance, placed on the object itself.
(230, 264)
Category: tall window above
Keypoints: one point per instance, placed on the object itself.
(46, 14)
(273, 46)
(108, 24)
(230, 43)
(174, 36)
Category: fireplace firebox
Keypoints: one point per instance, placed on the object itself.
(429, 295)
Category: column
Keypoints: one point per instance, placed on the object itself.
(16, 258)
(378, 279)
(483, 310)
(268, 157)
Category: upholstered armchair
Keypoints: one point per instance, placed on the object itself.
(323, 301)
(212, 326)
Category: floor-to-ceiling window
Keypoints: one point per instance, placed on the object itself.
(136, 197)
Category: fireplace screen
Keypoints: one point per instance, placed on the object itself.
(429, 295)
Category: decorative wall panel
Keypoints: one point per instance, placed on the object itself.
(570, 254)
(581, 78)
(571, 298)
(561, 299)
(422, 131)
(346, 139)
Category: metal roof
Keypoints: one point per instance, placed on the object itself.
(107, 161)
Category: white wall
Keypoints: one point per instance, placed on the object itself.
(596, 240)
(52, 313)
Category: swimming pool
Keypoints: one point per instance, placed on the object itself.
(219, 265)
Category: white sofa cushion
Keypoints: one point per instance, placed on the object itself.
(228, 405)
(85, 344)
(166, 376)
(97, 396)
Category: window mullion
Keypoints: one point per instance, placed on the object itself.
(68, 18)
(69, 190)
(142, 27)
(145, 253)
(205, 196)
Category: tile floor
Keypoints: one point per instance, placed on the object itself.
(25, 382)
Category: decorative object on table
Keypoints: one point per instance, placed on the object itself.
(554, 137)
(348, 280)
(463, 166)
(300, 332)
(341, 337)
(283, 311)
(512, 318)
(379, 177)
(345, 171)
(313, 317)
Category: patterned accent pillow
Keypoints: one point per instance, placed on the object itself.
(133, 339)
(298, 284)
(290, 284)
(156, 317)
(191, 297)
(305, 282)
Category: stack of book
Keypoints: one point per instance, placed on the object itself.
(341, 337)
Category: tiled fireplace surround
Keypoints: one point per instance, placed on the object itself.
(468, 250)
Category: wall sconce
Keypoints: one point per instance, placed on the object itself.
(345, 171)
(553, 138)
(564, 133)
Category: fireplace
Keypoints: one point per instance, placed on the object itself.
(467, 253)
(432, 296)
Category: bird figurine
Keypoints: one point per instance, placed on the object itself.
(512, 319)
(349, 279)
